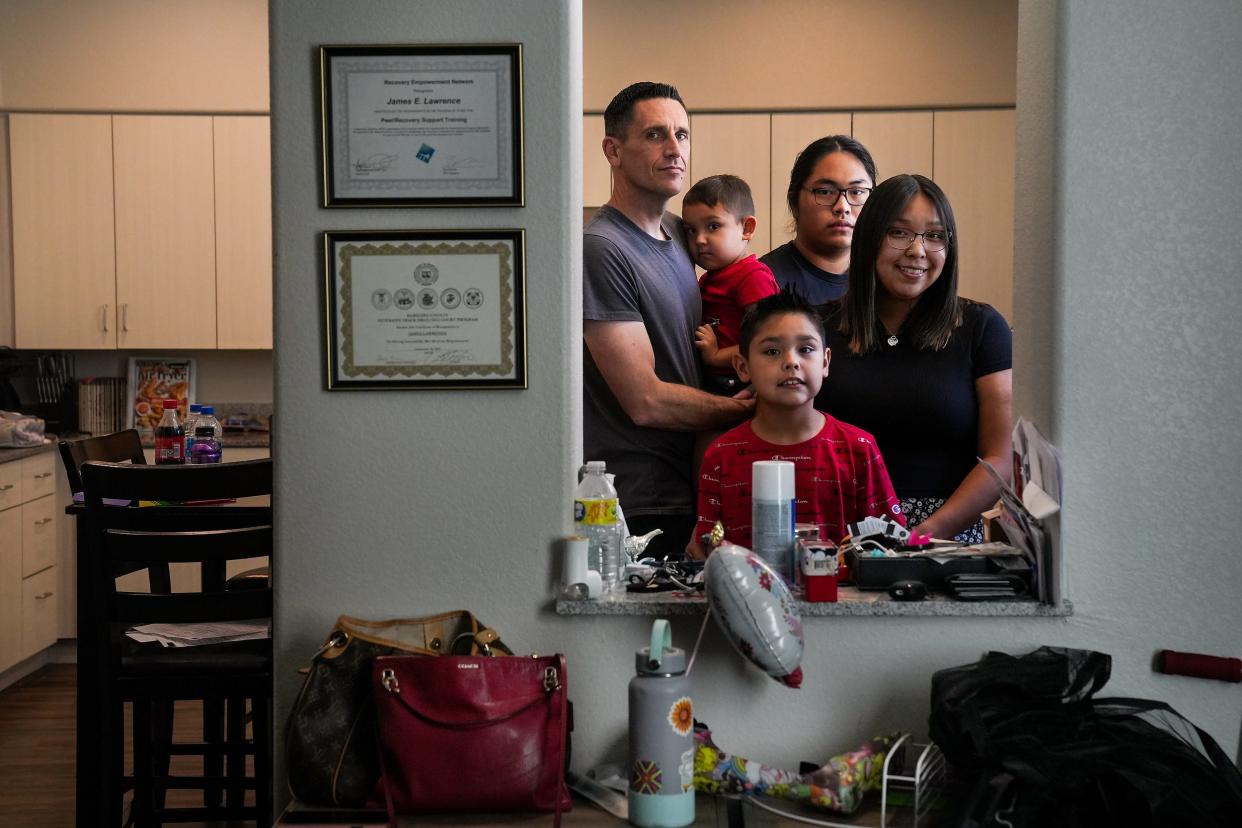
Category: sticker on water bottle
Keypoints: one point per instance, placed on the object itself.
(602, 512)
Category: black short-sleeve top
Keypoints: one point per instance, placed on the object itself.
(920, 405)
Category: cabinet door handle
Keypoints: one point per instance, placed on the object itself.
(43, 522)
(125, 318)
(6, 487)
(43, 476)
(43, 595)
(105, 318)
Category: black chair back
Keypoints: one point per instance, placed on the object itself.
(155, 536)
(110, 448)
(206, 527)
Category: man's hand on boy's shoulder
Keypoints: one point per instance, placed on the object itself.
(747, 394)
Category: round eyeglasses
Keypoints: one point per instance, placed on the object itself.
(900, 238)
(827, 196)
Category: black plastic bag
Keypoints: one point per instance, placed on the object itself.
(1031, 746)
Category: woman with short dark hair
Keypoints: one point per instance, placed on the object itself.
(828, 185)
(927, 372)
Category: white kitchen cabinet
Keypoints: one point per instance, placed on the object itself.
(243, 219)
(10, 587)
(141, 231)
(64, 281)
(30, 585)
(165, 231)
(40, 599)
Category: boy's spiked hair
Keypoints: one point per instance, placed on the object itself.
(787, 301)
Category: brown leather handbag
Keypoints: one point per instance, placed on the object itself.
(472, 734)
(330, 737)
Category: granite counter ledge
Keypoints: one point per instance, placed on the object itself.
(10, 453)
(232, 439)
(852, 602)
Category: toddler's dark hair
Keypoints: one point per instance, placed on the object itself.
(727, 191)
(778, 304)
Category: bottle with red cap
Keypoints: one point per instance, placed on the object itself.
(169, 436)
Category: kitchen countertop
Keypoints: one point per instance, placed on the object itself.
(852, 602)
(234, 439)
(231, 439)
(9, 454)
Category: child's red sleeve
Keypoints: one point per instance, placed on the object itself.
(876, 490)
(709, 492)
(758, 283)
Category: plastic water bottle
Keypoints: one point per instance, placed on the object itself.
(206, 447)
(661, 790)
(595, 518)
(190, 423)
(208, 417)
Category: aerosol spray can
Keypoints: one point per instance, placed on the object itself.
(772, 514)
(661, 793)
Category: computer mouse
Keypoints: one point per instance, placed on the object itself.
(907, 590)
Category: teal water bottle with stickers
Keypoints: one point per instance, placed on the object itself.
(661, 771)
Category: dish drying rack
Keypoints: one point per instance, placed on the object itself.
(923, 772)
(919, 781)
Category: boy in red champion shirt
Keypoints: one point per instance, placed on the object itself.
(719, 216)
(839, 476)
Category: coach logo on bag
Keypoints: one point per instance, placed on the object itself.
(550, 680)
(466, 665)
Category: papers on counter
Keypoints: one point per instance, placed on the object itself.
(1030, 508)
(196, 635)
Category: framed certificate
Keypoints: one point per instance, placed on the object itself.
(422, 126)
(425, 309)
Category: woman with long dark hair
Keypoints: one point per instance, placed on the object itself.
(828, 185)
(925, 371)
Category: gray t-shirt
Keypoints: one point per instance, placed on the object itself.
(627, 276)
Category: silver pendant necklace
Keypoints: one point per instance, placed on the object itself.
(892, 339)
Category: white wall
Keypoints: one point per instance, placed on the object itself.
(1144, 383)
(410, 503)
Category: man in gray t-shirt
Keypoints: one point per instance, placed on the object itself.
(640, 307)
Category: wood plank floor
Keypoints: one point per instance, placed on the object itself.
(37, 751)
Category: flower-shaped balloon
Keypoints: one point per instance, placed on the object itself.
(756, 610)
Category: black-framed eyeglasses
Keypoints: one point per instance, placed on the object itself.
(900, 238)
(827, 196)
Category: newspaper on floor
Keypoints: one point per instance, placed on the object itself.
(197, 635)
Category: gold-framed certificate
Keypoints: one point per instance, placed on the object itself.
(425, 309)
(422, 126)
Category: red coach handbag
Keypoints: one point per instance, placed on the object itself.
(472, 733)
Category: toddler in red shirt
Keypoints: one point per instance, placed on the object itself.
(719, 215)
(839, 475)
